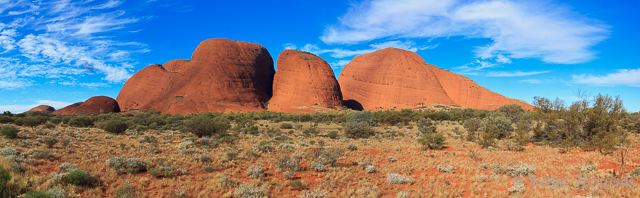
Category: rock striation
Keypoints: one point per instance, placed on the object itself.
(94, 105)
(303, 80)
(222, 76)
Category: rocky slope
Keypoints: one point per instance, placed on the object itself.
(390, 78)
(94, 105)
(222, 76)
(42, 108)
(302, 81)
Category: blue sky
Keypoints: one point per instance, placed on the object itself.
(62, 52)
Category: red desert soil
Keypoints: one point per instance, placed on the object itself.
(399, 78)
(303, 79)
(222, 76)
(43, 108)
(94, 105)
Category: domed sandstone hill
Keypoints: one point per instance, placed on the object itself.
(94, 105)
(469, 94)
(390, 78)
(398, 78)
(222, 76)
(42, 108)
(302, 81)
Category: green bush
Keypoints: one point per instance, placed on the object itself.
(358, 130)
(115, 126)
(432, 140)
(4, 178)
(49, 125)
(332, 134)
(203, 126)
(286, 126)
(34, 121)
(77, 177)
(56, 120)
(81, 121)
(498, 124)
(10, 131)
(50, 141)
(426, 126)
(5, 119)
(363, 117)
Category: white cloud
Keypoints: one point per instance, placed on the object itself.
(476, 66)
(65, 37)
(342, 53)
(290, 46)
(530, 81)
(625, 77)
(517, 29)
(23, 108)
(340, 63)
(514, 73)
(92, 85)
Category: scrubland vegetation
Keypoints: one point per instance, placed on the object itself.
(390, 153)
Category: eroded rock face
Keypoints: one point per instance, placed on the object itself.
(42, 108)
(222, 76)
(94, 105)
(303, 80)
(390, 78)
(469, 94)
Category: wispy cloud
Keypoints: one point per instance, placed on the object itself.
(84, 84)
(517, 29)
(342, 53)
(530, 81)
(339, 63)
(514, 73)
(57, 39)
(625, 77)
(23, 108)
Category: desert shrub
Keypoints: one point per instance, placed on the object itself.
(333, 134)
(203, 126)
(588, 168)
(316, 193)
(472, 124)
(482, 178)
(351, 147)
(403, 194)
(10, 131)
(517, 188)
(370, 169)
(358, 130)
(286, 126)
(66, 167)
(56, 120)
(426, 126)
(511, 146)
(497, 125)
(445, 169)
(81, 121)
(4, 178)
(251, 191)
(397, 148)
(77, 177)
(285, 163)
(204, 158)
(363, 117)
(395, 178)
(256, 171)
(521, 169)
(49, 125)
(50, 141)
(115, 126)
(296, 184)
(318, 167)
(391, 159)
(326, 156)
(33, 121)
(5, 119)
(124, 191)
(123, 164)
(394, 118)
(432, 140)
(499, 169)
(289, 174)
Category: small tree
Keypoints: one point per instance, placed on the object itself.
(425, 126)
(497, 124)
(10, 131)
(115, 126)
(432, 140)
(358, 130)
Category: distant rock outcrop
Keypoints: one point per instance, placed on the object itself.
(469, 94)
(94, 105)
(222, 76)
(302, 81)
(43, 108)
(390, 78)
(395, 78)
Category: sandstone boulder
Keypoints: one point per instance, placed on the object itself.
(303, 80)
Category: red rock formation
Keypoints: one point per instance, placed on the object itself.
(43, 108)
(94, 105)
(303, 79)
(222, 76)
(390, 78)
(469, 94)
(398, 78)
